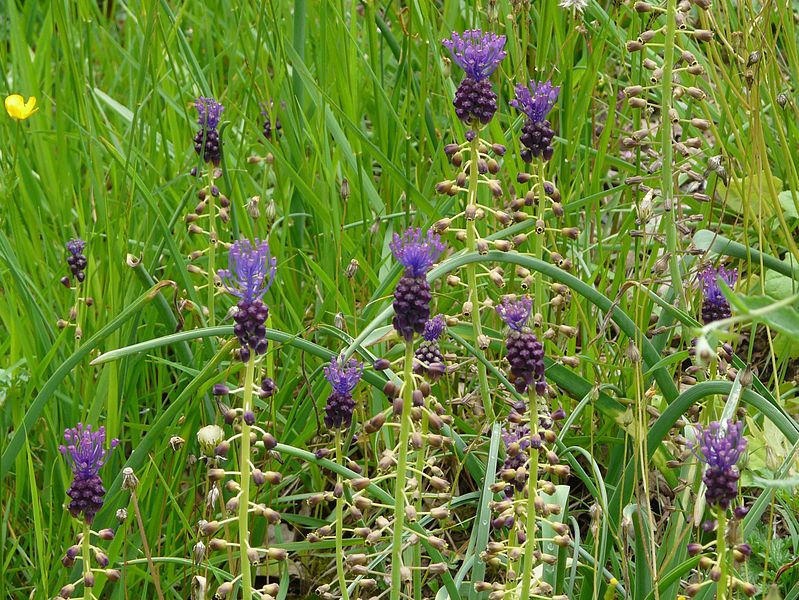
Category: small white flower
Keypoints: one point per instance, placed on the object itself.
(578, 5)
(209, 438)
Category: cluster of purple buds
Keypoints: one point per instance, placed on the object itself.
(416, 252)
(86, 453)
(720, 448)
(207, 142)
(250, 272)
(714, 305)
(269, 128)
(525, 352)
(76, 260)
(429, 359)
(535, 102)
(343, 376)
(479, 55)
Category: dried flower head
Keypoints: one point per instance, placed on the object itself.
(86, 453)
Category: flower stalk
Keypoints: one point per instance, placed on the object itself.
(532, 485)
(401, 478)
(244, 497)
(212, 239)
(721, 549)
(87, 567)
(342, 581)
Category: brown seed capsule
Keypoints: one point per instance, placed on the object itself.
(703, 35)
(634, 46)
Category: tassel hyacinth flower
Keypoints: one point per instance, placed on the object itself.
(416, 252)
(720, 449)
(478, 54)
(714, 305)
(250, 272)
(429, 359)
(536, 101)
(343, 377)
(86, 453)
(76, 260)
(206, 142)
(525, 352)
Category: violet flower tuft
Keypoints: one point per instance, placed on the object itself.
(343, 377)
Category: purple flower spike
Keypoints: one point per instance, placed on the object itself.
(415, 251)
(76, 260)
(251, 269)
(537, 100)
(515, 313)
(343, 377)
(720, 448)
(209, 111)
(477, 53)
(76, 246)
(434, 328)
(715, 306)
(86, 453)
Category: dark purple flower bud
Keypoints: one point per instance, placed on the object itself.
(251, 270)
(249, 417)
(694, 549)
(381, 364)
(268, 387)
(709, 525)
(417, 253)
(220, 389)
(479, 55)
(76, 260)
(207, 142)
(720, 447)
(343, 377)
(269, 129)
(714, 305)
(85, 453)
(739, 512)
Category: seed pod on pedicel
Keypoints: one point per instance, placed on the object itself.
(429, 359)
(525, 352)
(207, 142)
(251, 270)
(478, 54)
(417, 253)
(536, 101)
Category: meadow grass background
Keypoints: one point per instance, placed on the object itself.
(363, 95)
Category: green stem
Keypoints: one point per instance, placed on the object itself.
(244, 496)
(532, 485)
(342, 581)
(87, 567)
(721, 550)
(667, 182)
(212, 248)
(402, 467)
(471, 275)
(417, 550)
(538, 240)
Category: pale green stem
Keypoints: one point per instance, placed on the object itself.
(471, 275)
(532, 485)
(87, 566)
(244, 496)
(342, 581)
(721, 549)
(402, 467)
(417, 550)
(212, 248)
(667, 182)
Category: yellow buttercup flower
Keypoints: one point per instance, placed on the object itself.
(17, 108)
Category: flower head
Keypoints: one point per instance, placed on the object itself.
(343, 376)
(76, 246)
(86, 453)
(536, 100)
(578, 5)
(434, 328)
(515, 313)
(18, 109)
(85, 449)
(209, 111)
(417, 252)
(720, 447)
(251, 269)
(710, 285)
(477, 53)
